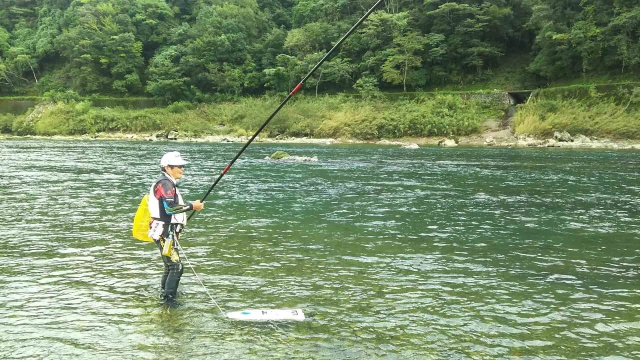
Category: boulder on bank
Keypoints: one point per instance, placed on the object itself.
(562, 136)
(551, 143)
(561, 140)
(173, 135)
(581, 139)
(447, 143)
(490, 141)
(529, 141)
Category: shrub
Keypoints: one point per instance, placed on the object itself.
(23, 125)
(67, 96)
(367, 87)
(180, 107)
(6, 123)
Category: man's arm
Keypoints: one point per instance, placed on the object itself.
(165, 192)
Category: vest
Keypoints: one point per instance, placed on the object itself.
(156, 208)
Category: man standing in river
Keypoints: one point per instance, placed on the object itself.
(168, 219)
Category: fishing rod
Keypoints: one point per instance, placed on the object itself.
(293, 92)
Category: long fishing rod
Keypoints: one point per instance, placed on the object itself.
(293, 92)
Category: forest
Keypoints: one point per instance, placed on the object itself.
(203, 50)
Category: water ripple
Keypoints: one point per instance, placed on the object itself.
(432, 253)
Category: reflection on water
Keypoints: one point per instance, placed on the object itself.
(428, 253)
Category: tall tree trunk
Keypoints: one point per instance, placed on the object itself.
(404, 81)
(318, 83)
(34, 73)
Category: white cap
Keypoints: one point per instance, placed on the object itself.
(172, 159)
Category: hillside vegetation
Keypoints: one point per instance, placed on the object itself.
(212, 50)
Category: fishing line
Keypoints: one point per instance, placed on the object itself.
(205, 288)
(198, 277)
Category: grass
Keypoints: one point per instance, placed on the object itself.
(607, 110)
(597, 80)
(22, 98)
(304, 116)
(582, 110)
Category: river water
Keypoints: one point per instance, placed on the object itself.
(463, 253)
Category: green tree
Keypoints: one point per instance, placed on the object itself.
(193, 49)
(311, 38)
(475, 34)
(623, 36)
(153, 21)
(13, 12)
(371, 42)
(4, 48)
(100, 49)
(284, 76)
(586, 38)
(31, 48)
(184, 10)
(278, 12)
(367, 87)
(556, 55)
(437, 48)
(4, 41)
(403, 61)
(308, 11)
(166, 81)
(222, 42)
(336, 71)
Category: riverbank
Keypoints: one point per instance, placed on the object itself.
(497, 138)
(338, 116)
(595, 116)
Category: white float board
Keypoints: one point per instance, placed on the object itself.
(267, 315)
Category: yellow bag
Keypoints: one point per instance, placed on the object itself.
(167, 249)
(141, 221)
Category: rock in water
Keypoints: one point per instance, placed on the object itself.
(410, 146)
(302, 158)
(279, 155)
(283, 156)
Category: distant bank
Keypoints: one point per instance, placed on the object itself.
(585, 112)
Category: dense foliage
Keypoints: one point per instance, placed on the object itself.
(201, 49)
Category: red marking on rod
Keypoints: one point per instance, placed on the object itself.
(226, 169)
(295, 90)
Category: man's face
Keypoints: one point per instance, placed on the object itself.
(175, 171)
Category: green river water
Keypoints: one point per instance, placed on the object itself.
(434, 253)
